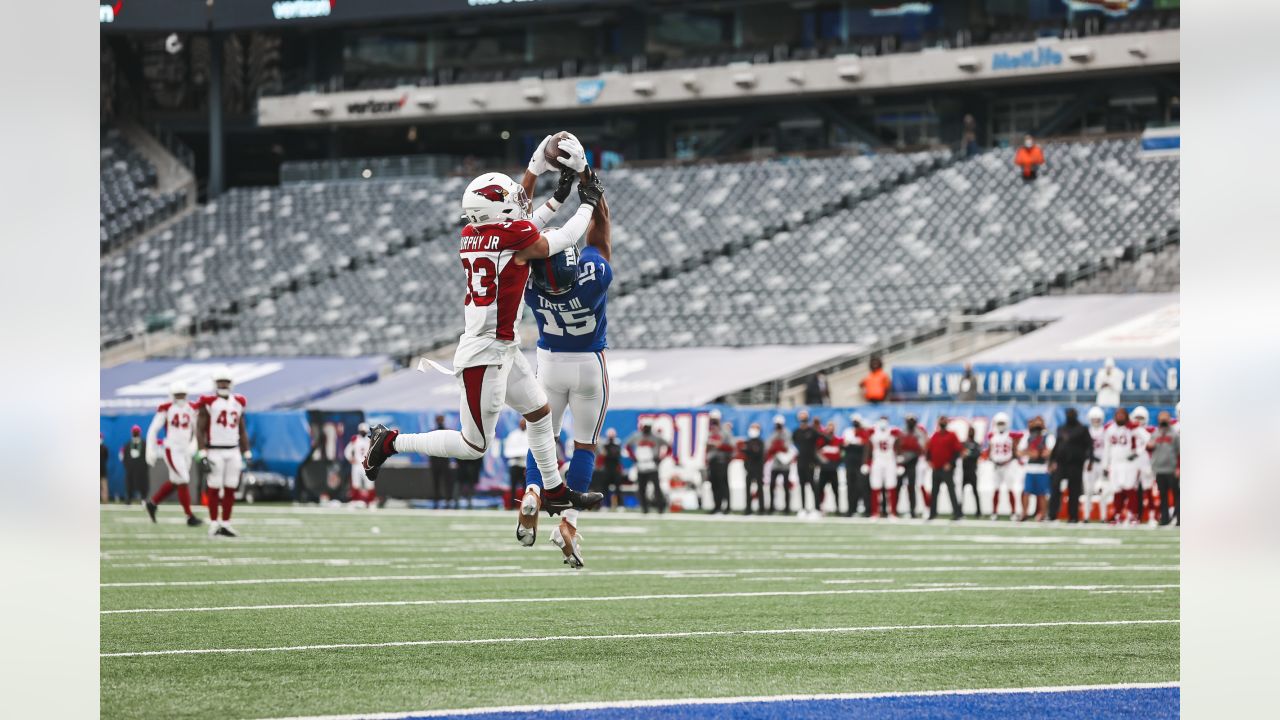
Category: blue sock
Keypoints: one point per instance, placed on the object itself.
(532, 475)
(578, 477)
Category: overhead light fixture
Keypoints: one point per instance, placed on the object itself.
(1139, 50)
(690, 82)
(643, 87)
(322, 107)
(795, 77)
(534, 93)
(426, 101)
(969, 63)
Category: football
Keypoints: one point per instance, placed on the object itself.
(553, 153)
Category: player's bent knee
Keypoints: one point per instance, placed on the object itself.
(538, 414)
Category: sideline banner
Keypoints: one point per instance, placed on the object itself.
(1044, 377)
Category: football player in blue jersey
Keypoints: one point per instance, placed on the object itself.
(568, 293)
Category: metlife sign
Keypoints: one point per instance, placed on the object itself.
(297, 9)
(1040, 56)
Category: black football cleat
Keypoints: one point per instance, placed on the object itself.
(381, 447)
(225, 531)
(564, 498)
(151, 509)
(193, 521)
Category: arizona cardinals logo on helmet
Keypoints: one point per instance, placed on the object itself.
(492, 192)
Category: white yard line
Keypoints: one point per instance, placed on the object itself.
(663, 596)
(639, 636)
(629, 704)
(673, 572)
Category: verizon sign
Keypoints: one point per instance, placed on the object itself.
(298, 9)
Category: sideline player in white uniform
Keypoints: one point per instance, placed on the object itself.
(882, 462)
(568, 294)
(497, 244)
(1142, 432)
(1096, 487)
(1002, 445)
(223, 440)
(354, 452)
(1118, 463)
(178, 420)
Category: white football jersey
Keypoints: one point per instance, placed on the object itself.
(179, 424)
(1098, 433)
(225, 416)
(1119, 444)
(882, 441)
(357, 449)
(1000, 446)
(494, 300)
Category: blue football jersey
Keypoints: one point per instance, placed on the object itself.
(574, 321)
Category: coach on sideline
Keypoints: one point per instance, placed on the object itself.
(1072, 448)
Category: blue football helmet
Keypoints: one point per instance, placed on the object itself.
(556, 274)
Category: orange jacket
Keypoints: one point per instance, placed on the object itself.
(875, 387)
(1028, 158)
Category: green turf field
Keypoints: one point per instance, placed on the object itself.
(432, 610)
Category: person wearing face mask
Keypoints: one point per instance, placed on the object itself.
(647, 449)
(134, 457)
(780, 454)
(753, 461)
(1029, 157)
(1165, 447)
(361, 486)
(1071, 450)
(910, 447)
(1034, 450)
(609, 460)
(805, 440)
(858, 490)
(943, 450)
(177, 419)
(720, 448)
(882, 466)
(829, 454)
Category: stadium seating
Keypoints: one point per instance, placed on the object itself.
(969, 236)
(818, 250)
(128, 203)
(664, 219)
(1152, 272)
(256, 242)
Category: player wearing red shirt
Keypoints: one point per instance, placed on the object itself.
(942, 452)
(829, 454)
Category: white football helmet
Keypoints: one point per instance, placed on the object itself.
(494, 198)
(220, 373)
(178, 388)
(1000, 421)
(1140, 415)
(1096, 416)
(882, 423)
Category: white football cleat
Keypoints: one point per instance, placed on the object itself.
(573, 548)
(213, 527)
(527, 524)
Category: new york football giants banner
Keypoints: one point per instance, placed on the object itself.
(1034, 378)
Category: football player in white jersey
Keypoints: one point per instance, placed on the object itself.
(501, 237)
(1096, 486)
(1140, 420)
(178, 420)
(361, 486)
(1002, 445)
(1119, 463)
(882, 467)
(224, 443)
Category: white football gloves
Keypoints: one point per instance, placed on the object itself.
(538, 161)
(248, 455)
(575, 157)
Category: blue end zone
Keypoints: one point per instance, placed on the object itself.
(1147, 703)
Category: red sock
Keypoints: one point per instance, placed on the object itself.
(163, 492)
(211, 497)
(875, 503)
(184, 497)
(893, 501)
(228, 499)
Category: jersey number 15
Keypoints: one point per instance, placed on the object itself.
(575, 322)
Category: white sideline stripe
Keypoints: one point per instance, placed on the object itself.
(665, 596)
(636, 636)
(674, 573)
(627, 704)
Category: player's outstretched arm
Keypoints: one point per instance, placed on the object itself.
(558, 239)
(153, 435)
(598, 235)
